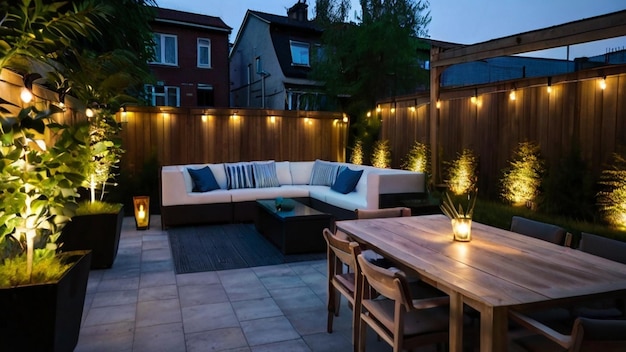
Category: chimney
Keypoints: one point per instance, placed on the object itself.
(299, 11)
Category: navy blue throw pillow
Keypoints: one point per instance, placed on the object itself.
(346, 181)
(203, 180)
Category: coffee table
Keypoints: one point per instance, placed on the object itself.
(298, 230)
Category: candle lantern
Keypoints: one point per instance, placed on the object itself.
(462, 229)
(142, 212)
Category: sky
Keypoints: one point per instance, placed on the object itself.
(457, 21)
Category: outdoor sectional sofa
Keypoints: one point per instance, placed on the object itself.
(235, 187)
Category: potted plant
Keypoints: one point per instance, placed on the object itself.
(42, 291)
(97, 224)
(461, 217)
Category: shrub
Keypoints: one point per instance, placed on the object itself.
(521, 180)
(356, 157)
(418, 159)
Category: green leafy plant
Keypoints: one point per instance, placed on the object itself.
(462, 173)
(381, 156)
(521, 180)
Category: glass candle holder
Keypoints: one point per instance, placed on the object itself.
(462, 229)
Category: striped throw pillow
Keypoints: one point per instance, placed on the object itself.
(239, 175)
(265, 174)
(324, 173)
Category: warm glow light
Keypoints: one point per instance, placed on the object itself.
(123, 116)
(473, 100)
(26, 95)
(141, 213)
(308, 121)
(393, 110)
(165, 115)
(412, 108)
(438, 104)
(345, 119)
(549, 89)
(462, 229)
(204, 118)
(272, 119)
(369, 114)
(378, 108)
(603, 84)
(89, 113)
(512, 95)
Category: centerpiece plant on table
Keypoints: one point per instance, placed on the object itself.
(460, 209)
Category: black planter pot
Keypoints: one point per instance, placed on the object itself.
(98, 232)
(46, 317)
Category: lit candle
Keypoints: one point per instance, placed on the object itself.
(141, 214)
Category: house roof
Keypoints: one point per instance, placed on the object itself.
(286, 21)
(190, 19)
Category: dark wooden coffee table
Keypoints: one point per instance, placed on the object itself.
(298, 230)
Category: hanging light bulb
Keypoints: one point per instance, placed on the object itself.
(26, 95)
(603, 83)
(512, 95)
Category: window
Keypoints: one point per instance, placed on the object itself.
(163, 95)
(204, 52)
(299, 53)
(205, 95)
(165, 49)
(259, 65)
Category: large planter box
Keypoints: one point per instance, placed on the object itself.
(98, 232)
(46, 317)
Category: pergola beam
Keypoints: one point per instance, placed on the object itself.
(586, 30)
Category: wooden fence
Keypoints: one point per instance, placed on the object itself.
(576, 113)
(186, 136)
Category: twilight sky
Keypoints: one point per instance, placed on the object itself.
(459, 21)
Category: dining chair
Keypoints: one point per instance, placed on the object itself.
(344, 278)
(610, 249)
(388, 308)
(541, 230)
(382, 213)
(603, 247)
(586, 335)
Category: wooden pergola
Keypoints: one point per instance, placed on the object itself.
(586, 30)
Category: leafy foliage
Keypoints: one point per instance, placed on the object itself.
(612, 198)
(462, 176)
(47, 268)
(521, 181)
(381, 155)
(449, 205)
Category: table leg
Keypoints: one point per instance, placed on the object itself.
(493, 329)
(456, 322)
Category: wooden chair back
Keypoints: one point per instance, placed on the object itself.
(382, 213)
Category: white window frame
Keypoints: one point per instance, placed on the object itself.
(159, 44)
(297, 53)
(204, 43)
(152, 94)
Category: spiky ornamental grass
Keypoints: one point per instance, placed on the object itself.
(357, 153)
(521, 180)
(417, 159)
(612, 199)
(381, 156)
(462, 173)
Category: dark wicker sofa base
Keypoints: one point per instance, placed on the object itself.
(195, 214)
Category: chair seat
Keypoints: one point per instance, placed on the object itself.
(415, 322)
(347, 282)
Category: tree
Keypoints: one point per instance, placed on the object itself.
(375, 58)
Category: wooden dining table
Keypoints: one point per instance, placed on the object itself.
(496, 271)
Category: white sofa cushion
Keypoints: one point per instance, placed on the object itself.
(301, 172)
(252, 194)
(283, 172)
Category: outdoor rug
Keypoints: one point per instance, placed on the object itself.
(229, 246)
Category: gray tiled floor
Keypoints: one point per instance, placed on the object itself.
(142, 305)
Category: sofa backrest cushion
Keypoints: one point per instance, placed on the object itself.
(203, 180)
(283, 172)
(239, 175)
(301, 172)
(324, 173)
(265, 174)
